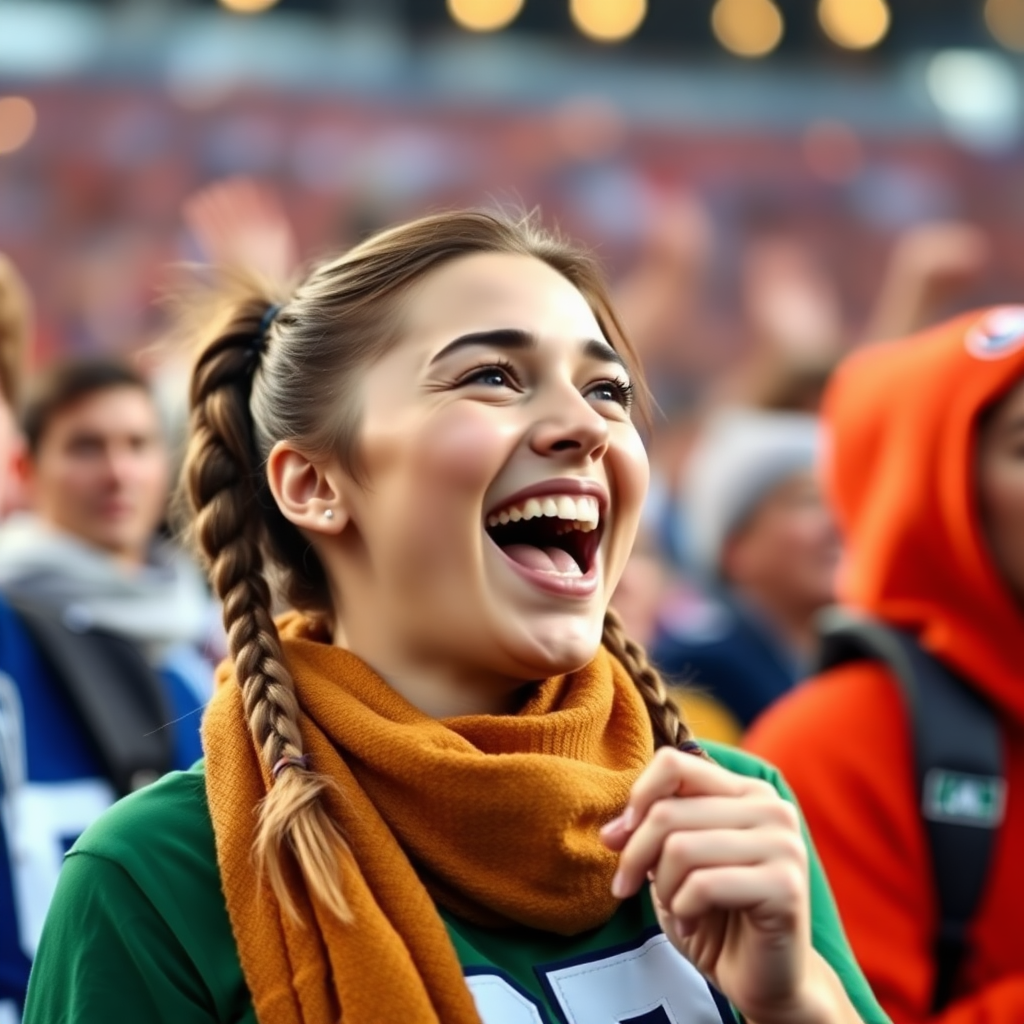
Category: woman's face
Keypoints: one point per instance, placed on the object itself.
(1001, 486)
(502, 481)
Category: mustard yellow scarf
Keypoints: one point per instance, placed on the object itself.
(495, 818)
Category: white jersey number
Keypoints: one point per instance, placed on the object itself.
(649, 984)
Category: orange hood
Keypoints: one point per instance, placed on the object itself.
(902, 420)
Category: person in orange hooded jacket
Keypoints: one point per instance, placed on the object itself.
(926, 473)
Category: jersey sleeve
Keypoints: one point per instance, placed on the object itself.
(107, 955)
(827, 929)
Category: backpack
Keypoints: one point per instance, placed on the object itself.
(959, 766)
(114, 692)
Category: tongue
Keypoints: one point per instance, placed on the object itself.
(543, 559)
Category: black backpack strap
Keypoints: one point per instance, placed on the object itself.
(118, 698)
(960, 770)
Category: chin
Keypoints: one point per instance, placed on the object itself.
(557, 649)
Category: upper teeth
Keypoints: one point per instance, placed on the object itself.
(583, 511)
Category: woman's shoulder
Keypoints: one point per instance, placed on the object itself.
(144, 876)
(153, 855)
(163, 829)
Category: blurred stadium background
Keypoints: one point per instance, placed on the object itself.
(709, 128)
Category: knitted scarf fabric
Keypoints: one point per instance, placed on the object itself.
(495, 818)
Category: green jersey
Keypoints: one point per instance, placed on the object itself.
(139, 931)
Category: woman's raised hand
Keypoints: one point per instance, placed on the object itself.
(727, 865)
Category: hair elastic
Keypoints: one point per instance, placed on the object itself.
(268, 317)
(691, 747)
(290, 761)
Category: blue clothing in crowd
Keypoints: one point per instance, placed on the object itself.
(51, 788)
(720, 646)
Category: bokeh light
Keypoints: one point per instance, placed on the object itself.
(747, 28)
(17, 123)
(484, 15)
(977, 92)
(1005, 20)
(248, 6)
(855, 24)
(608, 21)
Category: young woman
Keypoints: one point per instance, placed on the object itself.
(433, 795)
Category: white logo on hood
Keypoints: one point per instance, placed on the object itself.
(999, 334)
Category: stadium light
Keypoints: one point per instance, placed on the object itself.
(608, 21)
(1005, 20)
(247, 6)
(484, 15)
(17, 123)
(747, 28)
(854, 24)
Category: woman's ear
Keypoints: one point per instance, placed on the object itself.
(308, 493)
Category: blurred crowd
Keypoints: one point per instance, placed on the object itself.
(739, 555)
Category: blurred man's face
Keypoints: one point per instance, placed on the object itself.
(101, 471)
(788, 550)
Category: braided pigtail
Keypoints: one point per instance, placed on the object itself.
(229, 521)
(669, 728)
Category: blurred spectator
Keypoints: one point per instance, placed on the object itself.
(15, 329)
(14, 335)
(790, 302)
(236, 223)
(661, 298)
(97, 475)
(793, 384)
(760, 537)
(240, 223)
(104, 636)
(927, 477)
(931, 268)
(647, 586)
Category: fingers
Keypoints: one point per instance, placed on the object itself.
(688, 853)
(644, 848)
(771, 895)
(655, 812)
(708, 812)
(673, 773)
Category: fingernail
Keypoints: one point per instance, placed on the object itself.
(683, 929)
(619, 886)
(615, 825)
(628, 819)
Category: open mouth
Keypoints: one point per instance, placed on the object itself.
(556, 535)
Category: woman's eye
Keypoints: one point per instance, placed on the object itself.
(491, 376)
(613, 391)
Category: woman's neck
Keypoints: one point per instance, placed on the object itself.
(438, 697)
(436, 689)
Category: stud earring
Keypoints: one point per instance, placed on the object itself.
(328, 513)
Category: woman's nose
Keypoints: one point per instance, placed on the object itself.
(570, 425)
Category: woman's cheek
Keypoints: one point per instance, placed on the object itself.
(444, 479)
(465, 450)
(629, 472)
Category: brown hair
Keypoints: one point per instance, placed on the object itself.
(261, 378)
(65, 383)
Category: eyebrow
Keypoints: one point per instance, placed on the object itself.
(512, 340)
